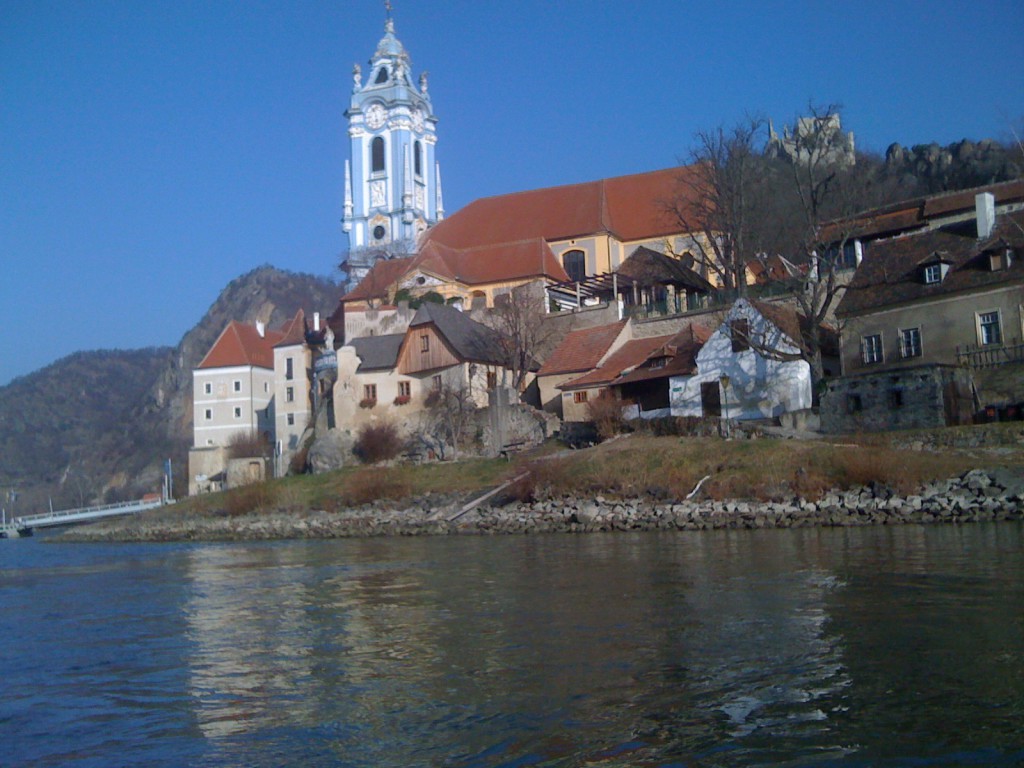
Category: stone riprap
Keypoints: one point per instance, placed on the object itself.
(976, 496)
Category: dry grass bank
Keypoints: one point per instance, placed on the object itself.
(647, 466)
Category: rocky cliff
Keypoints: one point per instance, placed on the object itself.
(960, 165)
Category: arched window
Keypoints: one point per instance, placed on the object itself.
(382, 76)
(377, 154)
(575, 265)
(417, 158)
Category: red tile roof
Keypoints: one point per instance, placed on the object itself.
(241, 344)
(379, 279)
(914, 214)
(294, 331)
(490, 263)
(625, 358)
(681, 350)
(890, 274)
(632, 207)
(581, 350)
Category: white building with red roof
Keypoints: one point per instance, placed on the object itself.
(232, 395)
(233, 386)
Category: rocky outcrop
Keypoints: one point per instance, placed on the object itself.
(974, 497)
(960, 165)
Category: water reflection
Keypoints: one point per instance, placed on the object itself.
(880, 646)
(557, 650)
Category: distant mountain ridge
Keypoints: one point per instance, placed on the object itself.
(97, 426)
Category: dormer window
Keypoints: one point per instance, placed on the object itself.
(1000, 260)
(933, 273)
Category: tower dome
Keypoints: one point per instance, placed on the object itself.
(392, 182)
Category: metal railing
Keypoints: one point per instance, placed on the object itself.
(68, 516)
(990, 356)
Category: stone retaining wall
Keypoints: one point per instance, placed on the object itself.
(976, 496)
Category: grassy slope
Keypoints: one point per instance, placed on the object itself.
(645, 466)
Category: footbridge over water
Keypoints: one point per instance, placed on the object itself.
(24, 525)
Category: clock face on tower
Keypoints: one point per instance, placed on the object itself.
(417, 120)
(375, 116)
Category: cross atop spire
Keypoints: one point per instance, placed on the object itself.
(389, 24)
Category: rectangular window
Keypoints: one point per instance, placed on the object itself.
(208, 414)
(871, 348)
(237, 385)
(289, 394)
(238, 412)
(492, 379)
(435, 382)
(895, 398)
(989, 331)
(291, 419)
(853, 403)
(739, 332)
(932, 273)
(424, 343)
(579, 397)
(910, 342)
(369, 391)
(289, 373)
(404, 389)
(208, 388)
(266, 386)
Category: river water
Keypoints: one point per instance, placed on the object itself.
(887, 646)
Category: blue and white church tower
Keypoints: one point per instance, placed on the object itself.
(393, 181)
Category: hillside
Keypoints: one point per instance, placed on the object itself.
(97, 426)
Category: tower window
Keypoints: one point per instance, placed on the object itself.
(377, 155)
(417, 158)
(575, 265)
(382, 76)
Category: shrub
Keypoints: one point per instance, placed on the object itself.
(606, 413)
(249, 498)
(299, 462)
(372, 484)
(377, 442)
(247, 445)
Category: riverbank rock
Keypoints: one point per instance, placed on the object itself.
(978, 495)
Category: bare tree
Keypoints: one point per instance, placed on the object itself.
(446, 421)
(722, 201)
(817, 195)
(519, 319)
(753, 207)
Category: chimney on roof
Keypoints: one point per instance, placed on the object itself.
(261, 329)
(985, 211)
(316, 321)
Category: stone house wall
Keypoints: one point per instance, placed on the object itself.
(923, 397)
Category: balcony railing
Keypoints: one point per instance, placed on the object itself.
(990, 355)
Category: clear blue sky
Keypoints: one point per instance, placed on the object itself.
(152, 151)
